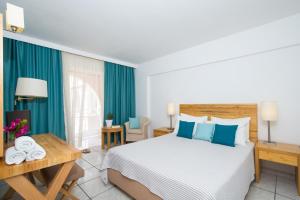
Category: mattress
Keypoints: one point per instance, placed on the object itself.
(177, 168)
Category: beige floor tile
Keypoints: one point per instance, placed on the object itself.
(112, 194)
(259, 194)
(267, 182)
(89, 174)
(94, 187)
(83, 164)
(287, 187)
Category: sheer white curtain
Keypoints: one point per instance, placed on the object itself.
(83, 99)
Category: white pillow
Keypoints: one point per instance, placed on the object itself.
(188, 118)
(242, 132)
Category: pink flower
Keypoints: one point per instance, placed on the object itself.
(17, 121)
(13, 125)
(17, 126)
(22, 131)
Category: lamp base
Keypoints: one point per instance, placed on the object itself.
(170, 129)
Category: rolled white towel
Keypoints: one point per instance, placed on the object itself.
(13, 156)
(25, 143)
(36, 153)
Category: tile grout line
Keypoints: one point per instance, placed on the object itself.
(85, 192)
(279, 193)
(93, 166)
(89, 162)
(104, 191)
(275, 194)
(88, 180)
(263, 189)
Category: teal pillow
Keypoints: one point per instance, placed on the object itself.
(225, 134)
(204, 131)
(134, 123)
(186, 129)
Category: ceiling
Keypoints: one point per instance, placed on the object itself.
(138, 30)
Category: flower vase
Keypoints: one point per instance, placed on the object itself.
(10, 139)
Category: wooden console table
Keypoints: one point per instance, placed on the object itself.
(58, 153)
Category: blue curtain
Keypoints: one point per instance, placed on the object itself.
(27, 60)
(119, 92)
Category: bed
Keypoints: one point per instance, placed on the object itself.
(170, 167)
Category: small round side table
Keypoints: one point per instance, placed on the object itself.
(108, 131)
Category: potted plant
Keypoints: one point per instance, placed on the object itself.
(109, 119)
(17, 128)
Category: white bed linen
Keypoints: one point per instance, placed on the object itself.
(178, 168)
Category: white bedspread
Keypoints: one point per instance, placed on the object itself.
(178, 168)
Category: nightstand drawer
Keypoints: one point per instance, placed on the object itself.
(278, 157)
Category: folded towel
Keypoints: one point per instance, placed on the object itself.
(13, 156)
(24, 143)
(36, 153)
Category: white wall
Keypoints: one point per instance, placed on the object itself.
(248, 67)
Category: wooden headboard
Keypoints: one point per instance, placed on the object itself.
(225, 111)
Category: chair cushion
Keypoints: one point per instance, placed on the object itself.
(134, 123)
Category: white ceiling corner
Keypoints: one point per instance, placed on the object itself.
(136, 31)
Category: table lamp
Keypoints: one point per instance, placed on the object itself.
(171, 113)
(269, 113)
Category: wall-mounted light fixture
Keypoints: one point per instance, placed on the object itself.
(14, 18)
(30, 88)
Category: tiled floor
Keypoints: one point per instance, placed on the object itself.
(271, 187)
(274, 186)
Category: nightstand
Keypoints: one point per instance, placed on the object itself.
(161, 131)
(288, 154)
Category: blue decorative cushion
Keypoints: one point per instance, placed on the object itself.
(204, 131)
(134, 123)
(225, 134)
(186, 129)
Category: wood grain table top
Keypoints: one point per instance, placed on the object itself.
(58, 152)
(279, 147)
(111, 129)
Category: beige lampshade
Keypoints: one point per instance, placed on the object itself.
(171, 109)
(30, 87)
(14, 18)
(269, 111)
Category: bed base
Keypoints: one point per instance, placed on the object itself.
(139, 191)
(131, 187)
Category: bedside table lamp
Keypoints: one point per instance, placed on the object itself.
(171, 113)
(30, 88)
(269, 113)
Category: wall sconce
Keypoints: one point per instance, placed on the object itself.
(14, 18)
(30, 88)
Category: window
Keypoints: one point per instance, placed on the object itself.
(83, 87)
